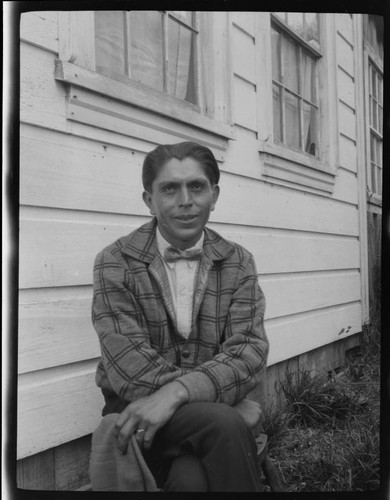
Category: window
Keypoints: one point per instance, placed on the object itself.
(294, 80)
(299, 147)
(153, 75)
(373, 49)
(376, 127)
(157, 49)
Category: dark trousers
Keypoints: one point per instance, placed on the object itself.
(205, 447)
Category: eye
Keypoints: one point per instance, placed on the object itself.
(169, 188)
(196, 186)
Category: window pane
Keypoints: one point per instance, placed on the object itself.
(311, 29)
(373, 179)
(295, 21)
(277, 111)
(380, 117)
(373, 83)
(370, 71)
(374, 115)
(276, 46)
(372, 149)
(310, 128)
(380, 89)
(308, 78)
(303, 24)
(192, 85)
(379, 153)
(379, 180)
(109, 41)
(146, 56)
(370, 106)
(373, 32)
(292, 127)
(180, 46)
(290, 65)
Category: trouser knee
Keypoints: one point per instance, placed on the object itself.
(224, 423)
(225, 418)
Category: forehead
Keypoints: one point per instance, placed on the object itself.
(175, 170)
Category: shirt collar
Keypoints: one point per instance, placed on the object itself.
(141, 244)
(162, 245)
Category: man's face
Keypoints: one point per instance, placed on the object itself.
(182, 198)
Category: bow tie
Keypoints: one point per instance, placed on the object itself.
(173, 254)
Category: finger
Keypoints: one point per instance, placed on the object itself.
(125, 433)
(123, 417)
(139, 434)
(148, 437)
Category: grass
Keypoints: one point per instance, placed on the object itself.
(326, 436)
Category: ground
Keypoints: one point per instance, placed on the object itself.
(326, 435)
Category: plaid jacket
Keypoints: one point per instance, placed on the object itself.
(133, 315)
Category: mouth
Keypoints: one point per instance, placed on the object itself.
(185, 218)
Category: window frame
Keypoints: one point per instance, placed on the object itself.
(303, 47)
(76, 66)
(371, 57)
(290, 167)
(165, 17)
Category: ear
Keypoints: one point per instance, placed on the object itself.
(147, 197)
(215, 197)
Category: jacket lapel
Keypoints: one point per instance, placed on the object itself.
(141, 245)
(201, 285)
(157, 270)
(215, 248)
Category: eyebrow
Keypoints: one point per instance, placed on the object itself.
(199, 180)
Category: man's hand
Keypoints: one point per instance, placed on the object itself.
(149, 414)
(252, 414)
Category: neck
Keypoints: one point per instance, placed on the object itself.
(181, 245)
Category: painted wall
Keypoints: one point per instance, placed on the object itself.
(80, 189)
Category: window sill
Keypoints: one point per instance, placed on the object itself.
(136, 94)
(374, 202)
(281, 164)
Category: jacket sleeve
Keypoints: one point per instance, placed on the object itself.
(238, 367)
(133, 368)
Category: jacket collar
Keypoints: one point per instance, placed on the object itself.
(141, 244)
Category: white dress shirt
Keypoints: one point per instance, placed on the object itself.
(182, 278)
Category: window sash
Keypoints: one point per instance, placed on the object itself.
(164, 58)
(375, 100)
(292, 84)
(314, 46)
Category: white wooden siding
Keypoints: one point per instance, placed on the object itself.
(81, 189)
(55, 328)
(245, 103)
(40, 29)
(243, 47)
(56, 406)
(348, 154)
(245, 21)
(312, 328)
(101, 169)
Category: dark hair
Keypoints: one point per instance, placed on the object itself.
(157, 158)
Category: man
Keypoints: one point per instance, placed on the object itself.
(181, 332)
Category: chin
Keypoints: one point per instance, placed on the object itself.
(189, 237)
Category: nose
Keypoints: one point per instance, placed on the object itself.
(185, 198)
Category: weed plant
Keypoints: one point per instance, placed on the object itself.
(314, 402)
(326, 435)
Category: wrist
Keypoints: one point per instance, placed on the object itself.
(178, 393)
